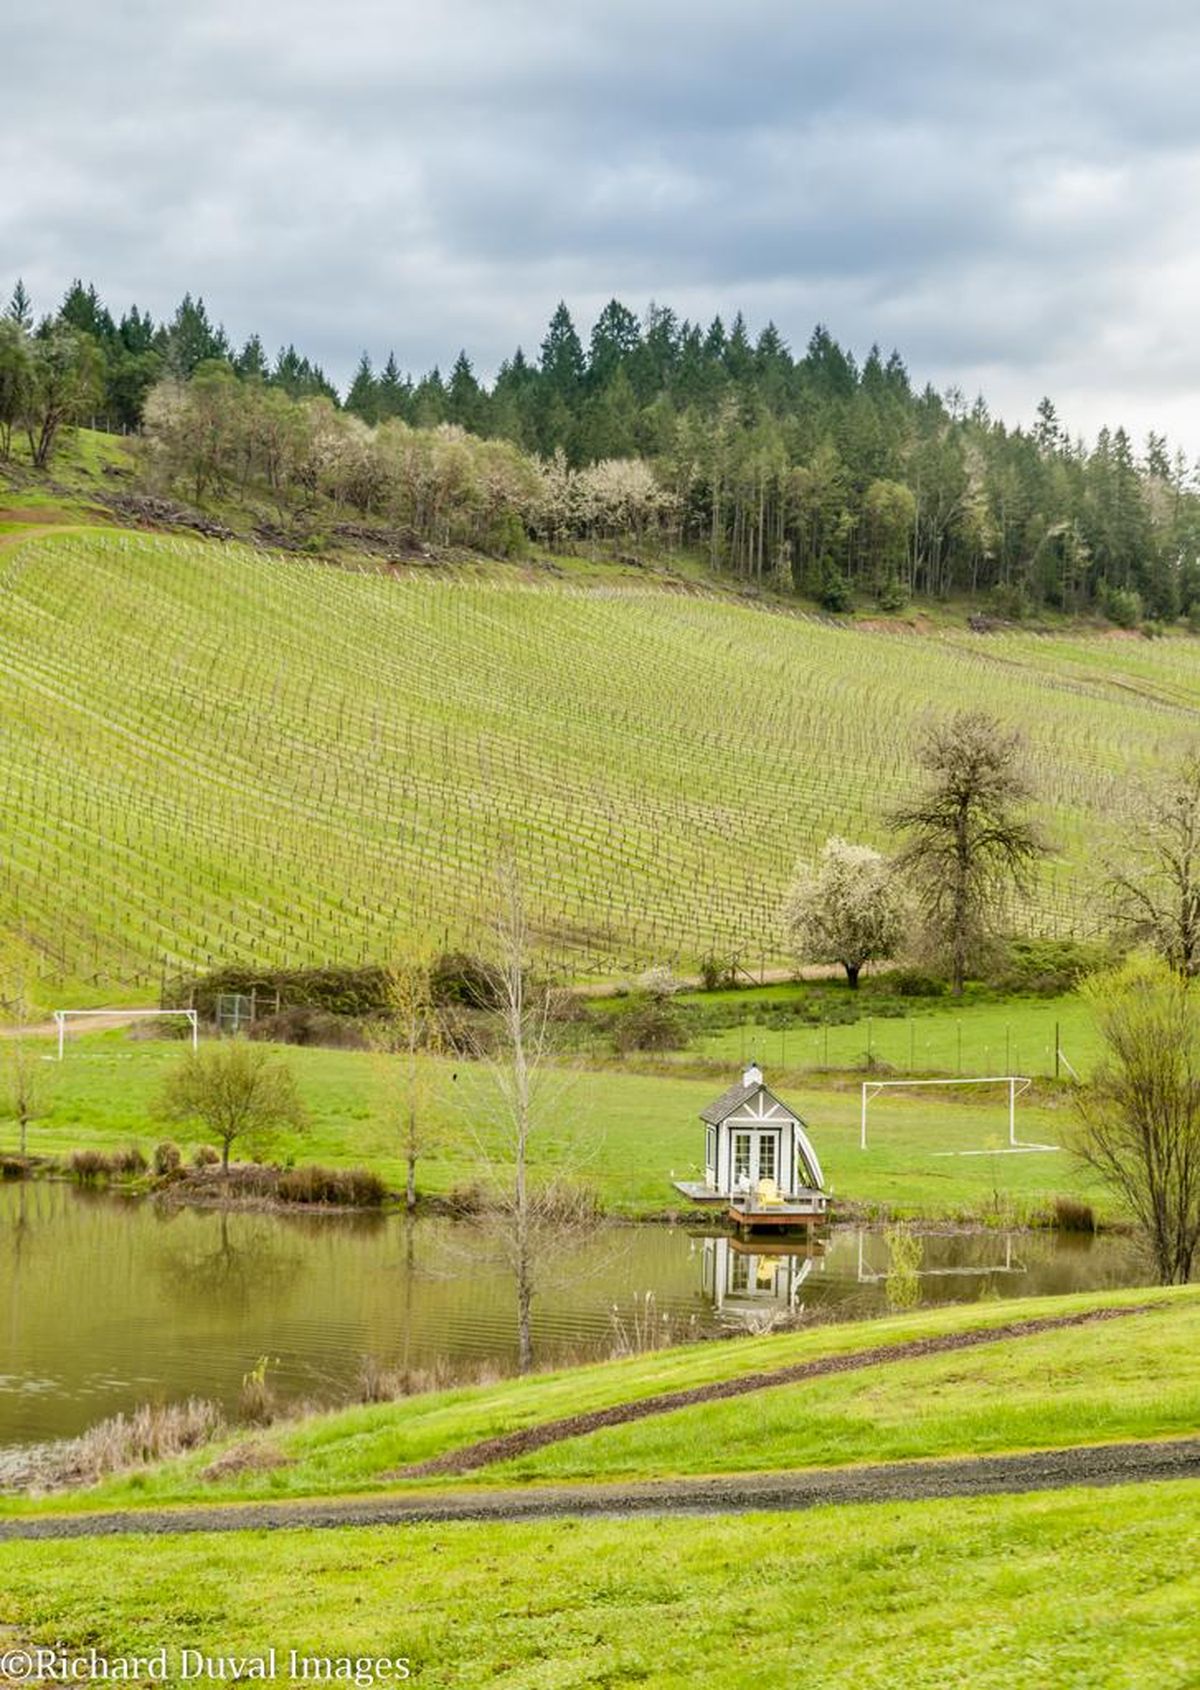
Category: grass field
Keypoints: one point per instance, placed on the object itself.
(628, 1134)
(1087, 1588)
(1083, 1590)
(1132, 1378)
(214, 754)
(923, 1036)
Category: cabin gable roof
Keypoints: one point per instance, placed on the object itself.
(739, 1096)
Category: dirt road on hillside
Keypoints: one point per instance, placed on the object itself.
(509, 1445)
(102, 1022)
(897, 1481)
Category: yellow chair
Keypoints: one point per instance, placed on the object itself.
(769, 1195)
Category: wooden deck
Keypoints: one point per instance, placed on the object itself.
(806, 1208)
(698, 1192)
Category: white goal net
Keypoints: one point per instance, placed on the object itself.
(1014, 1085)
(118, 1017)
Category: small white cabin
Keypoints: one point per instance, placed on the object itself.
(750, 1136)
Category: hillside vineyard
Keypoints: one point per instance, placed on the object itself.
(213, 754)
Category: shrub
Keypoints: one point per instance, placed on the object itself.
(717, 972)
(652, 1023)
(14, 1167)
(89, 1166)
(915, 983)
(1122, 606)
(892, 595)
(1070, 1215)
(1049, 967)
(129, 1161)
(204, 1156)
(835, 594)
(306, 1024)
(466, 1201)
(351, 1187)
(150, 1433)
(1010, 600)
(459, 978)
(167, 1158)
(257, 1402)
(342, 991)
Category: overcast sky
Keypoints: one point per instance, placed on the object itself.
(1005, 191)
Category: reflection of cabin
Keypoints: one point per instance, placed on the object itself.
(758, 1158)
(754, 1281)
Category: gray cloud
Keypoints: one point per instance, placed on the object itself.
(1003, 191)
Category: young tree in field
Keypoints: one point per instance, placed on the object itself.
(25, 1078)
(407, 1045)
(1155, 890)
(238, 1092)
(845, 908)
(1140, 1117)
(24, 1084)
(968, 844)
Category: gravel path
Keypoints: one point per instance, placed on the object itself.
(897, 1481)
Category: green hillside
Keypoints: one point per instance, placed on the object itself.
(213, 753)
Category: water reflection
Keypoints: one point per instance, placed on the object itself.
(107, 1302)
(756, 1280)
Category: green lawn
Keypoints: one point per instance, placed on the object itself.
(628, 1134)
(1138, 1377)
(1080, 1590)
(1014, 1036)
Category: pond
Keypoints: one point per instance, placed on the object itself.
(107, 1302)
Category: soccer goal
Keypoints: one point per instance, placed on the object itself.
(1016, 1085)
(119, 1017)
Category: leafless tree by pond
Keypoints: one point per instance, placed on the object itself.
(523, 1095)
(1140, 1116)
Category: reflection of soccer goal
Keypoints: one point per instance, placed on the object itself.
(62, 1016)
(1016, 1083)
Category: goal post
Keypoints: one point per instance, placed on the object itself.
(1017, 1085)
(119, 1016)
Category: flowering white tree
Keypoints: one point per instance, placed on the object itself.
(845, 908)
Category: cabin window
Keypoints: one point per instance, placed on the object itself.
(710, 1147)
(766, 1155)
(739, 1271)
(741, 1156)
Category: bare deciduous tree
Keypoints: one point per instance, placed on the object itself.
(1140, 1116)
(534, 1217)
(846, 908)
(1155, 890)
(968, 846)
(25, 1076)
(24, 1084)
(236, 1091)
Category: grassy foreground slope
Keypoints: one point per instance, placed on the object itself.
(1082, 1587)
(211, 753)
(1090, 1589)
